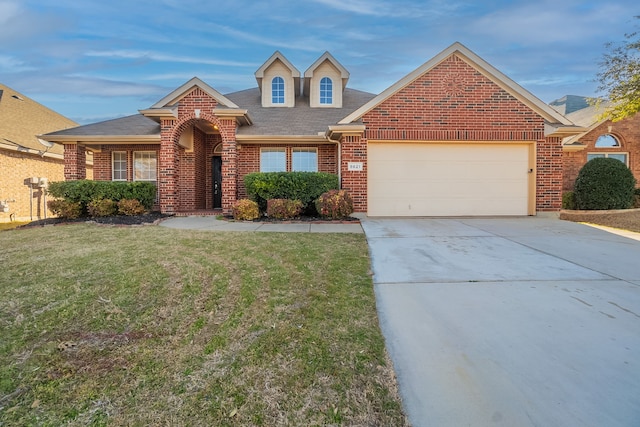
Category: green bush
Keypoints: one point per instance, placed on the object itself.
(101, 207)
(568, 200)
(130, 207)
(65, 208)
(334, 204)
(283, 208)
(303, 186)
(84, 191)
(604, 183)
(245, 210)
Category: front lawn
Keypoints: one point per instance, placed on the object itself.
(153, 326)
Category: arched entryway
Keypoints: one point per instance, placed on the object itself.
(199, 166)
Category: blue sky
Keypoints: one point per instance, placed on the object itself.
(93, 60)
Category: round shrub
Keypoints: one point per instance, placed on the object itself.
(334, 204)
(283, 208)
(130, 207)
(101, 207)
(245, 210)
(604, 183)
(65, 208)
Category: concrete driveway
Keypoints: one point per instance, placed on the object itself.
(512, 321)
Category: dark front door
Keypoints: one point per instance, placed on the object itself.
(216, 168)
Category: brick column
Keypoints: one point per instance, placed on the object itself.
(75, 162)
(353, 148)
(168, 168)
(549, 174)
(229, 165)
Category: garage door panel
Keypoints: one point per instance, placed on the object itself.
(448, 180)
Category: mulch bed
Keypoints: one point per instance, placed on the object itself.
(122, 220)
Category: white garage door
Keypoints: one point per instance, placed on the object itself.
(448, 180)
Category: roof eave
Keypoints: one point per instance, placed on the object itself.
(103, 139)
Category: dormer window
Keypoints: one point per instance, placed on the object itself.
(277, 90)
(326, 91)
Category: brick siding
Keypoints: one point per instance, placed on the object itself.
(455, 102)
(626, 131)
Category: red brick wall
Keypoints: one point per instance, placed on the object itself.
(102, 160)
(626, 131)
(249, 160)
(455, 102)
(75, 164)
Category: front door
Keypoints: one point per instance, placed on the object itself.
(216, 170)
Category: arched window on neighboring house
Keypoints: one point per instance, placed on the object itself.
(609, 141)
(277, 90)
(326, 91)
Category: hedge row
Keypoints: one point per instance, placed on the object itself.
(303, 186)
(85, 191)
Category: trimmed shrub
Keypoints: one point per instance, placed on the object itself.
(83, 191)
(130, 207)
(65, 208)
(604, 183)
(303, 186)
(245, 210)
(101, 207)
(568, 200)
(283, 208)
(334, 204)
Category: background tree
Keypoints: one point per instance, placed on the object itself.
(619, 77)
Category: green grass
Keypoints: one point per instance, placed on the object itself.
(151, 326)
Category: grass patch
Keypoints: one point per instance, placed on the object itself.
(153, 326)
(11, 225)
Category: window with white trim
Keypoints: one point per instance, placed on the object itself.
(326, 91)
(623, 157)
(119, 166)
(145, 165)
(304, 159)
(277, 90)
(273, 160)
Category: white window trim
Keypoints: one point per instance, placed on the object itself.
(272, 150)
(113, 170)
(607, 153)
(306, 150)
(134, 165)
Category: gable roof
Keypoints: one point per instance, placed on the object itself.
(344, 74)
(22, 119)
(171, 99)
(278, 56)
(517, 91)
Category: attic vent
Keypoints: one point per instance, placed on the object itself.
(17, 97)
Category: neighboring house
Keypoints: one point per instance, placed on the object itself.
(602, 138)
(454, 137)
(23, 158)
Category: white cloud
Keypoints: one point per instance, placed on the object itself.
(161, 57)
(10, 64)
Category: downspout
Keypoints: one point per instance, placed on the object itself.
(339, 155)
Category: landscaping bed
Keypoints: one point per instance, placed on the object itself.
(626, 219)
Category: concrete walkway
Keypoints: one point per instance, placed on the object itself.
(211, 223)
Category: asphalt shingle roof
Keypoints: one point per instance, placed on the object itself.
(299, 120)
(136, 124)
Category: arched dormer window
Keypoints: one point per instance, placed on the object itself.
(277, 90)
(607, 140)
(326, 91)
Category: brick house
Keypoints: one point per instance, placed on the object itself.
(23, 157)
(454, 137)
(601, 138)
